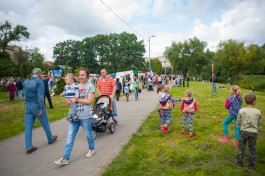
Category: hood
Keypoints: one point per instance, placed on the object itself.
(188, 101)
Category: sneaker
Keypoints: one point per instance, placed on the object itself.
(90, 153)
(54, 139)
(165, 129)
(31, 150)
(192, 136)
(62, 161)
(115, 120)
(223, 139)
(184, 133)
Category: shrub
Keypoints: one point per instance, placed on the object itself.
(59, 86)
(256, 81)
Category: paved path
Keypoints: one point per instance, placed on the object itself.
(14, 161)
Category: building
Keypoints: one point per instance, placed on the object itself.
(164, 61)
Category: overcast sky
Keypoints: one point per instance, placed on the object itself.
(53, 21)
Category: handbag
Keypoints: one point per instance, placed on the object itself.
(139, 90)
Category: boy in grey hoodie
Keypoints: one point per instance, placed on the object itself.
(248, 122)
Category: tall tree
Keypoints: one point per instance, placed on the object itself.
(156, 66)
(7, 34)
(187, 56)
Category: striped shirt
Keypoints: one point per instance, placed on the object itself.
(71, 91)
(106, 85)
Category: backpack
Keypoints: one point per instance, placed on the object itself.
(167, 103)
(118, 87)
(189, 108)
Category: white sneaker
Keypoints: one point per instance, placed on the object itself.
(62, 161)
(90, 153)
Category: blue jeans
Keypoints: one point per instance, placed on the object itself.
(20, 95)
(136, 93)
(214, 88)
(31, 113)
(229, 119)
(72, 131)
(114, 108)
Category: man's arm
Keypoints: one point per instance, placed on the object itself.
(98, 90)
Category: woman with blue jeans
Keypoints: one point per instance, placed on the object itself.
(84, 113)
(136, 87)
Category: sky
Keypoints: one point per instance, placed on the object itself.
(52, 21)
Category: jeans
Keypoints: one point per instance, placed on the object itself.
(214, 88)
(114, 108)
(47, 94)
(136, 93)
(165, 116)
(20, 95)
(190, 116)
(225, 125)
(31, 113)
(72, 131)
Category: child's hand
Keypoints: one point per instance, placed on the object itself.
(61, 94)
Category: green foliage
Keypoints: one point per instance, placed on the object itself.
(59, 86)
(234, 59)
(156, 66)
(7, 34)
(187, 57)
(256, 81)
(150, 152)
(113, 52)
(7, 68)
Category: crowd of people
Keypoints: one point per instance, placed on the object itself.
(79, 98)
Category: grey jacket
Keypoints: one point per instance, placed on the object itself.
(249, 119)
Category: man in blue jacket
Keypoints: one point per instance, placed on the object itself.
(34, 108)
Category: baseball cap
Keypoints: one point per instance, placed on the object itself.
(36, 71)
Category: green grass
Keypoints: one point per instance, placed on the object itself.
(149, 152)
(12, 114)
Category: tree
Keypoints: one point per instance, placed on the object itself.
(156, 66)
(187, 56)
(115, 52)
(7, 34)
(35, 57)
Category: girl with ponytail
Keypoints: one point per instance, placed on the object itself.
(233, 104)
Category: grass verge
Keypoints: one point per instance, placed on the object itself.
(12, 114)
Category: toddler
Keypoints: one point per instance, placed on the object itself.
(233, 104)
(166, 104)
(127, 90)
(71, 91)
(248, 122)
(188, 106)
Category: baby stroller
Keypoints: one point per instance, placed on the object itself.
(101, 120)
(150, 86)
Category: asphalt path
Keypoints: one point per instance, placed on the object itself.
(14, 161)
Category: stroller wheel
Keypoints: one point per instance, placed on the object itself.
(112, 127)
(95, 133)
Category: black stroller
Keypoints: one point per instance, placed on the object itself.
(101, 120)
(150, 86)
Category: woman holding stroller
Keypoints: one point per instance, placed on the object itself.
(84, 113)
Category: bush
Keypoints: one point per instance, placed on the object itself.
(256, 81)
(59, 86)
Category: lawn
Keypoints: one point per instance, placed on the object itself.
(12, 114)
(150, 152)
